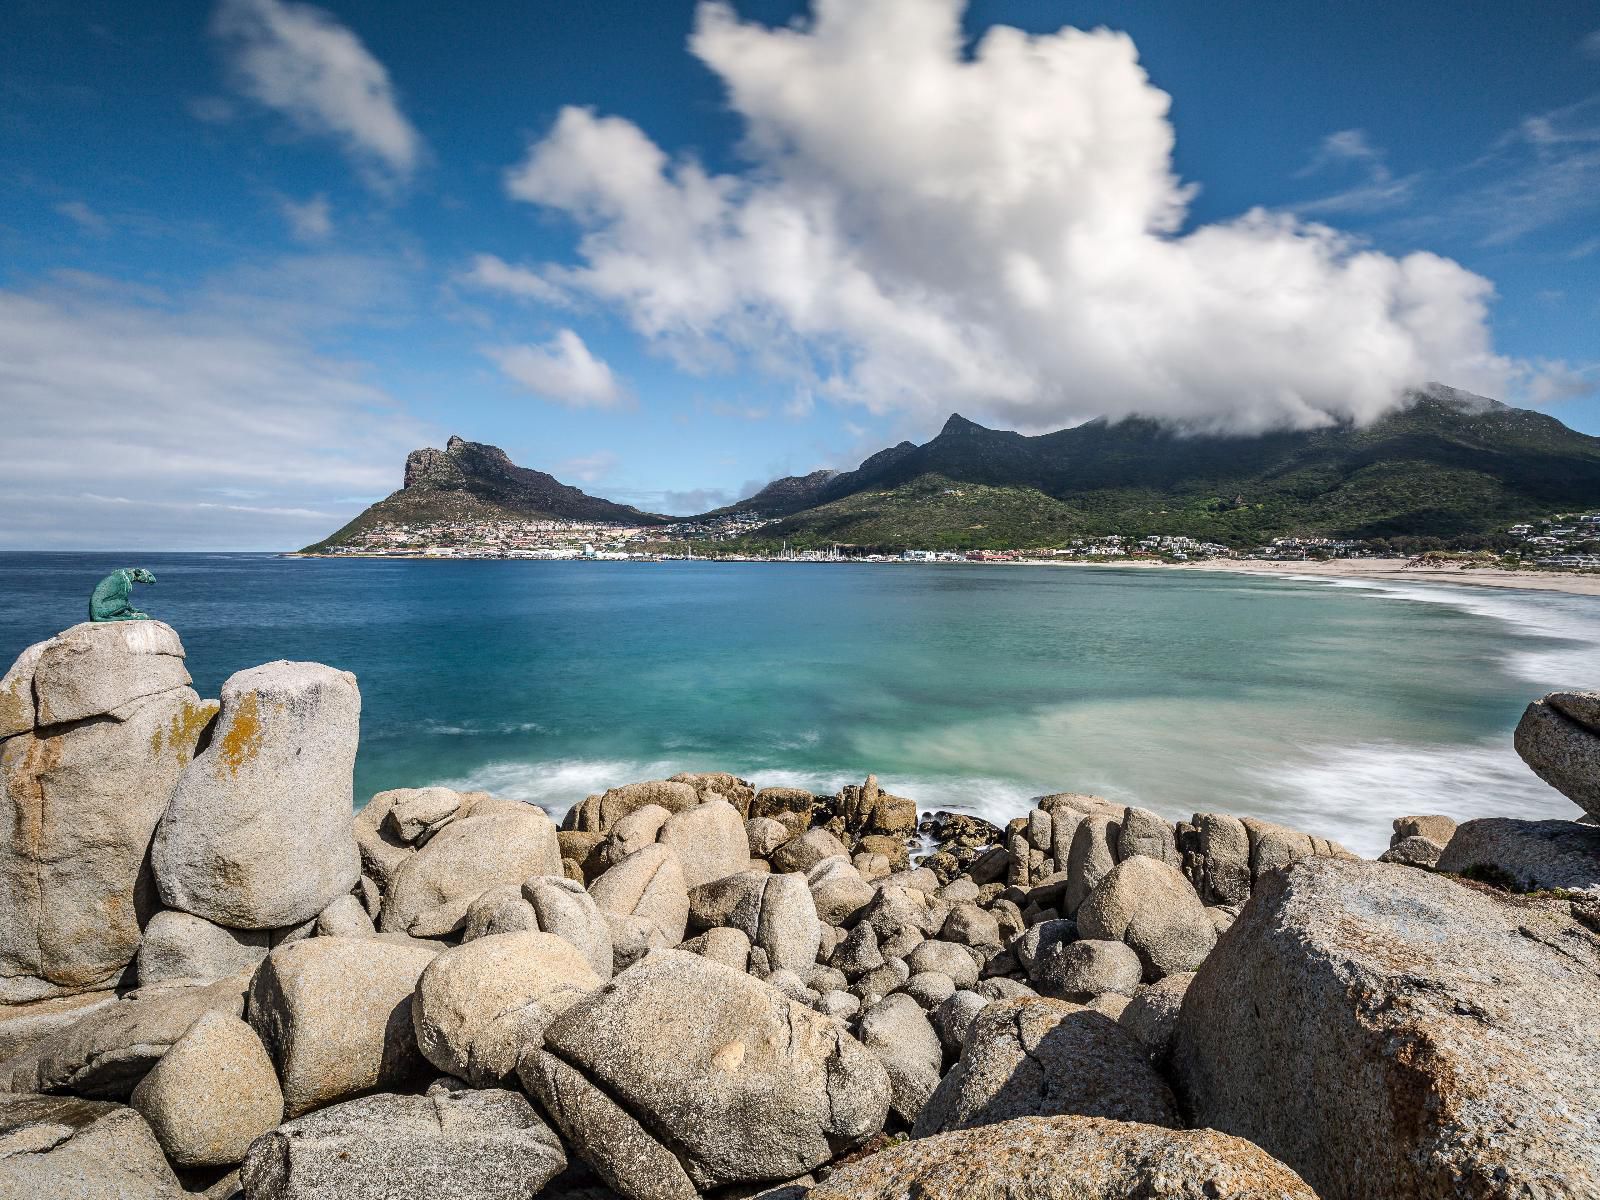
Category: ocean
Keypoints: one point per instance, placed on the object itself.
(1330, 706)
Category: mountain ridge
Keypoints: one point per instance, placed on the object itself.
(1446, 465)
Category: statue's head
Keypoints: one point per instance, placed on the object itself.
(140, 575)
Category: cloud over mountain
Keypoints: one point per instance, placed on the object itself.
(924, 227)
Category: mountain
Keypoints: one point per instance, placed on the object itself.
(472, 481)
(1446, 465)
(781, 497)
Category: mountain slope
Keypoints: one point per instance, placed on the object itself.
(1447, 465)
(472, 481)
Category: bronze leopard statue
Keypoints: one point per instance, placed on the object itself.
(112, 599)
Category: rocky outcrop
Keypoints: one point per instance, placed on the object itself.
(715, 991)
(452, 1143)
(1455, 1028)
(711, 1077)
(1559, 738)
(85, 774)
(258, 832)
(1068, 1158)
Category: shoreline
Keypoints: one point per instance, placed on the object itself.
(1378, 570)
(1394, 570)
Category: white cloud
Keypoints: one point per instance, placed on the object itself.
(562, 370)
(586, 468)
(301, 62)
(495, 274)
(1589, 47)
(1545, 172)
(310, 220)
(131, 445)
(924, 227)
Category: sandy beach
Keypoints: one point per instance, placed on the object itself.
(1395, 570)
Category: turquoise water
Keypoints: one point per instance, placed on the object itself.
(1328, 706)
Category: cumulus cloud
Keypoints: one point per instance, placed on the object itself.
(561, 370)
(185, 427)
(1000, 230)
(301, 62)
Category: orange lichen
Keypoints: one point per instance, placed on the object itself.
(242, 740)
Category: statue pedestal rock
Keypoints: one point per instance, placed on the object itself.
(96, 725)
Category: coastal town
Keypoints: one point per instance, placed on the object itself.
(1559, 541)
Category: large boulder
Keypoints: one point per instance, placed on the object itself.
(1147, 833)
(490, 842)
(790, 807)
(103, 669)
(709, 840)
(335, 1013)
(564, 908)
(1079, 970)
(1217, 858)
(1452, 1031)
(1091, 857)
(179, 945)
(451, 1144)
(479, 1007)
(212, 1094)
(776, 912)
(82, 786)
(1148, 904)
(1067, 1158)
(900, 1034)
(1526, 855)
(105, 1054)
(682, 1074)
(258, 832)
(1034, 1057)
(1559, 737)
(62, 1148)
(838, 891)
(806, 851)
(647, 891)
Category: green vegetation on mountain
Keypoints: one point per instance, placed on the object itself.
(1447, 467)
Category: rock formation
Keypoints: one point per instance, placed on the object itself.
(215, 975)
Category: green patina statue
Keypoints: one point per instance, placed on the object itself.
(112, 599)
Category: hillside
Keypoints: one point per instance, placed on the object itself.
(1448, 465)
(472, 481)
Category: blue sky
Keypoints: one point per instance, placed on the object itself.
(251, 252)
